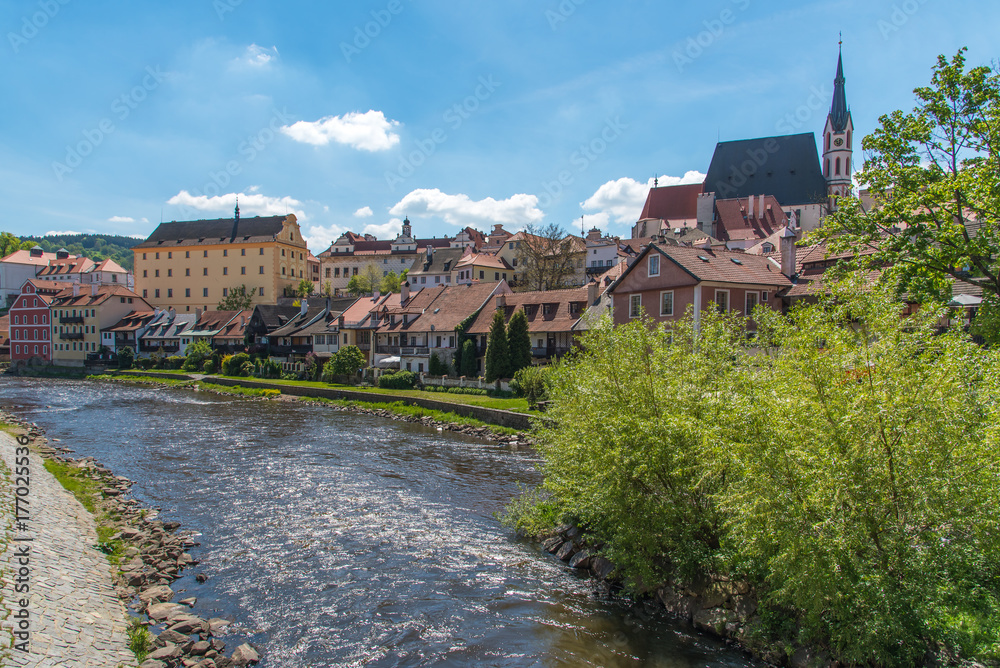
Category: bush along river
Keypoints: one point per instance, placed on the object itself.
(330, 538)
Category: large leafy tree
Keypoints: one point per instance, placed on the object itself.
(305, 288)
(497, 360)
(933, 177)
(367, 281)
(546, 258)
(8, 244)
(237, 299)
(390, 282)
(518, 341)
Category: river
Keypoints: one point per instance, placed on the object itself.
(338, 539)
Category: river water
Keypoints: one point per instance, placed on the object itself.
(338, 539)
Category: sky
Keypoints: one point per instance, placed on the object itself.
(120, 115)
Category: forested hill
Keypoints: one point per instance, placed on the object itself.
(95, 246)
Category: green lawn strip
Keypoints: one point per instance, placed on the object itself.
(138, 378)
(400, 408)
(88, 492)
(514, 405)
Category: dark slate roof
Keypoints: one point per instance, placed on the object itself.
(274, 316)
(442, 261)
(221, 230)
(786, 167)
(838, 110)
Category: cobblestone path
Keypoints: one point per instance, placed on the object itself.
(76, 620)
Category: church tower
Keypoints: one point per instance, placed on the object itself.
(838, 140)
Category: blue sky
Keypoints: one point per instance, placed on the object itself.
(353, 115)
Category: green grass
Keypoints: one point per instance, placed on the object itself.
(515, 405)
(137, 377)
(399, 408)
(88, 492)
(244, 391)
(140, 640)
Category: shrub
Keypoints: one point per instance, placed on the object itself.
(267, 368)
(469, 365)
(246, 369)
(436, 367)
(126, 358)
(145, 363)
(208, 366)
(401, 380)
(529, 383)
(345, 362)
(197, 352)
(173, 362)
(232, 365)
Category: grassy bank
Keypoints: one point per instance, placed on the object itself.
(88, 492)
(395, 407)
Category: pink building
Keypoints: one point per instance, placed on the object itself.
(30, 326)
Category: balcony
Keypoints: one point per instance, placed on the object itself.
(72, 320)
(71, 336)
(549, 351)
(414, 352)
(387, 350)
(288, 351)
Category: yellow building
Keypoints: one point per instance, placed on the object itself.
(195, 265)
(81, 312)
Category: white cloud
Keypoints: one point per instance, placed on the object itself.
(621, 201)
(370, 131)
(60, 233)
(259, 56)
(126, 219)
(364, 212)
(319, 238)
(516, 210)
(388, 230)
(250, 204)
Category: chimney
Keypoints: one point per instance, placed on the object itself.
(750, 207)
(760, 207)
(593, 291)
(76, 289)
(404, 292)
(243, 322)
(430, 253)
(788, 252)
(93, 289)
(305, 307)
(501, 301)
(173, 314)
(706, 212)
(156, 311)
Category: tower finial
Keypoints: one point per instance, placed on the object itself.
(656, 181)
(237, 212)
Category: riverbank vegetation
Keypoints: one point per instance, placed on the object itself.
(88, 491)
(845, 463)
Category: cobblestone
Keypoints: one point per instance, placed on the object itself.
(76, 619)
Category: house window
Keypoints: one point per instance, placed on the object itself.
(634, 306)
(145, 293)
(654, 265)
(751, 302)
(243, 251)
(355, 271)
(243, 270)
(157, 293)
(145, 273)
(187, 253)
(170, 293)
(261, 292)
(187, 272)
(667, 303)
(261, 251)
(170, 273)
(204, 254)
(204, 271)
(328, 272)
(157, 273)
(225, 271)
(187, 292)
(282, 252)
(157, 256)
(282, 271)
(225, 292)
(336, 272)
(170, 255)
(143, 256)
(722, 300)
(225, 252)
(482, 275)
(204, 292)
(262, 269)
(763, 296)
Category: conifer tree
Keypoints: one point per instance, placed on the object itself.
(497, 357)
(518, 342)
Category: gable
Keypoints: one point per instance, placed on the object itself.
(671, 275)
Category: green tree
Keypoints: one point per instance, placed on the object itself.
(8, 244)
(468, 367)
(196, 353)
(126, 358)
(546, 258)
(238, 299)
(305, 288)
(932, 176)
(518, 342)
(390, 283)
(497, 358)
(436, 367)
(346, 361)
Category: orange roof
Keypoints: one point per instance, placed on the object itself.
(547, 310)
(110, 265)
(672, 202)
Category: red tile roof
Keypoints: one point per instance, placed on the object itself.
(736, 221)
(547, 311)
(672, 202)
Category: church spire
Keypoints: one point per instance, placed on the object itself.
(838, 110)
(237, 212)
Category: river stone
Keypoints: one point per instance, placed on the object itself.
(200, 647)
(580, 559)
(601, 568)
(152, 663)
(244, 655)
(713, 620)
(552, 545)
(169, 652)
(158, 594)
(567, 550)
(206, 663)
(218, 625)
(161, 611)
(189, 602)
(173, 637)
(188, 625)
